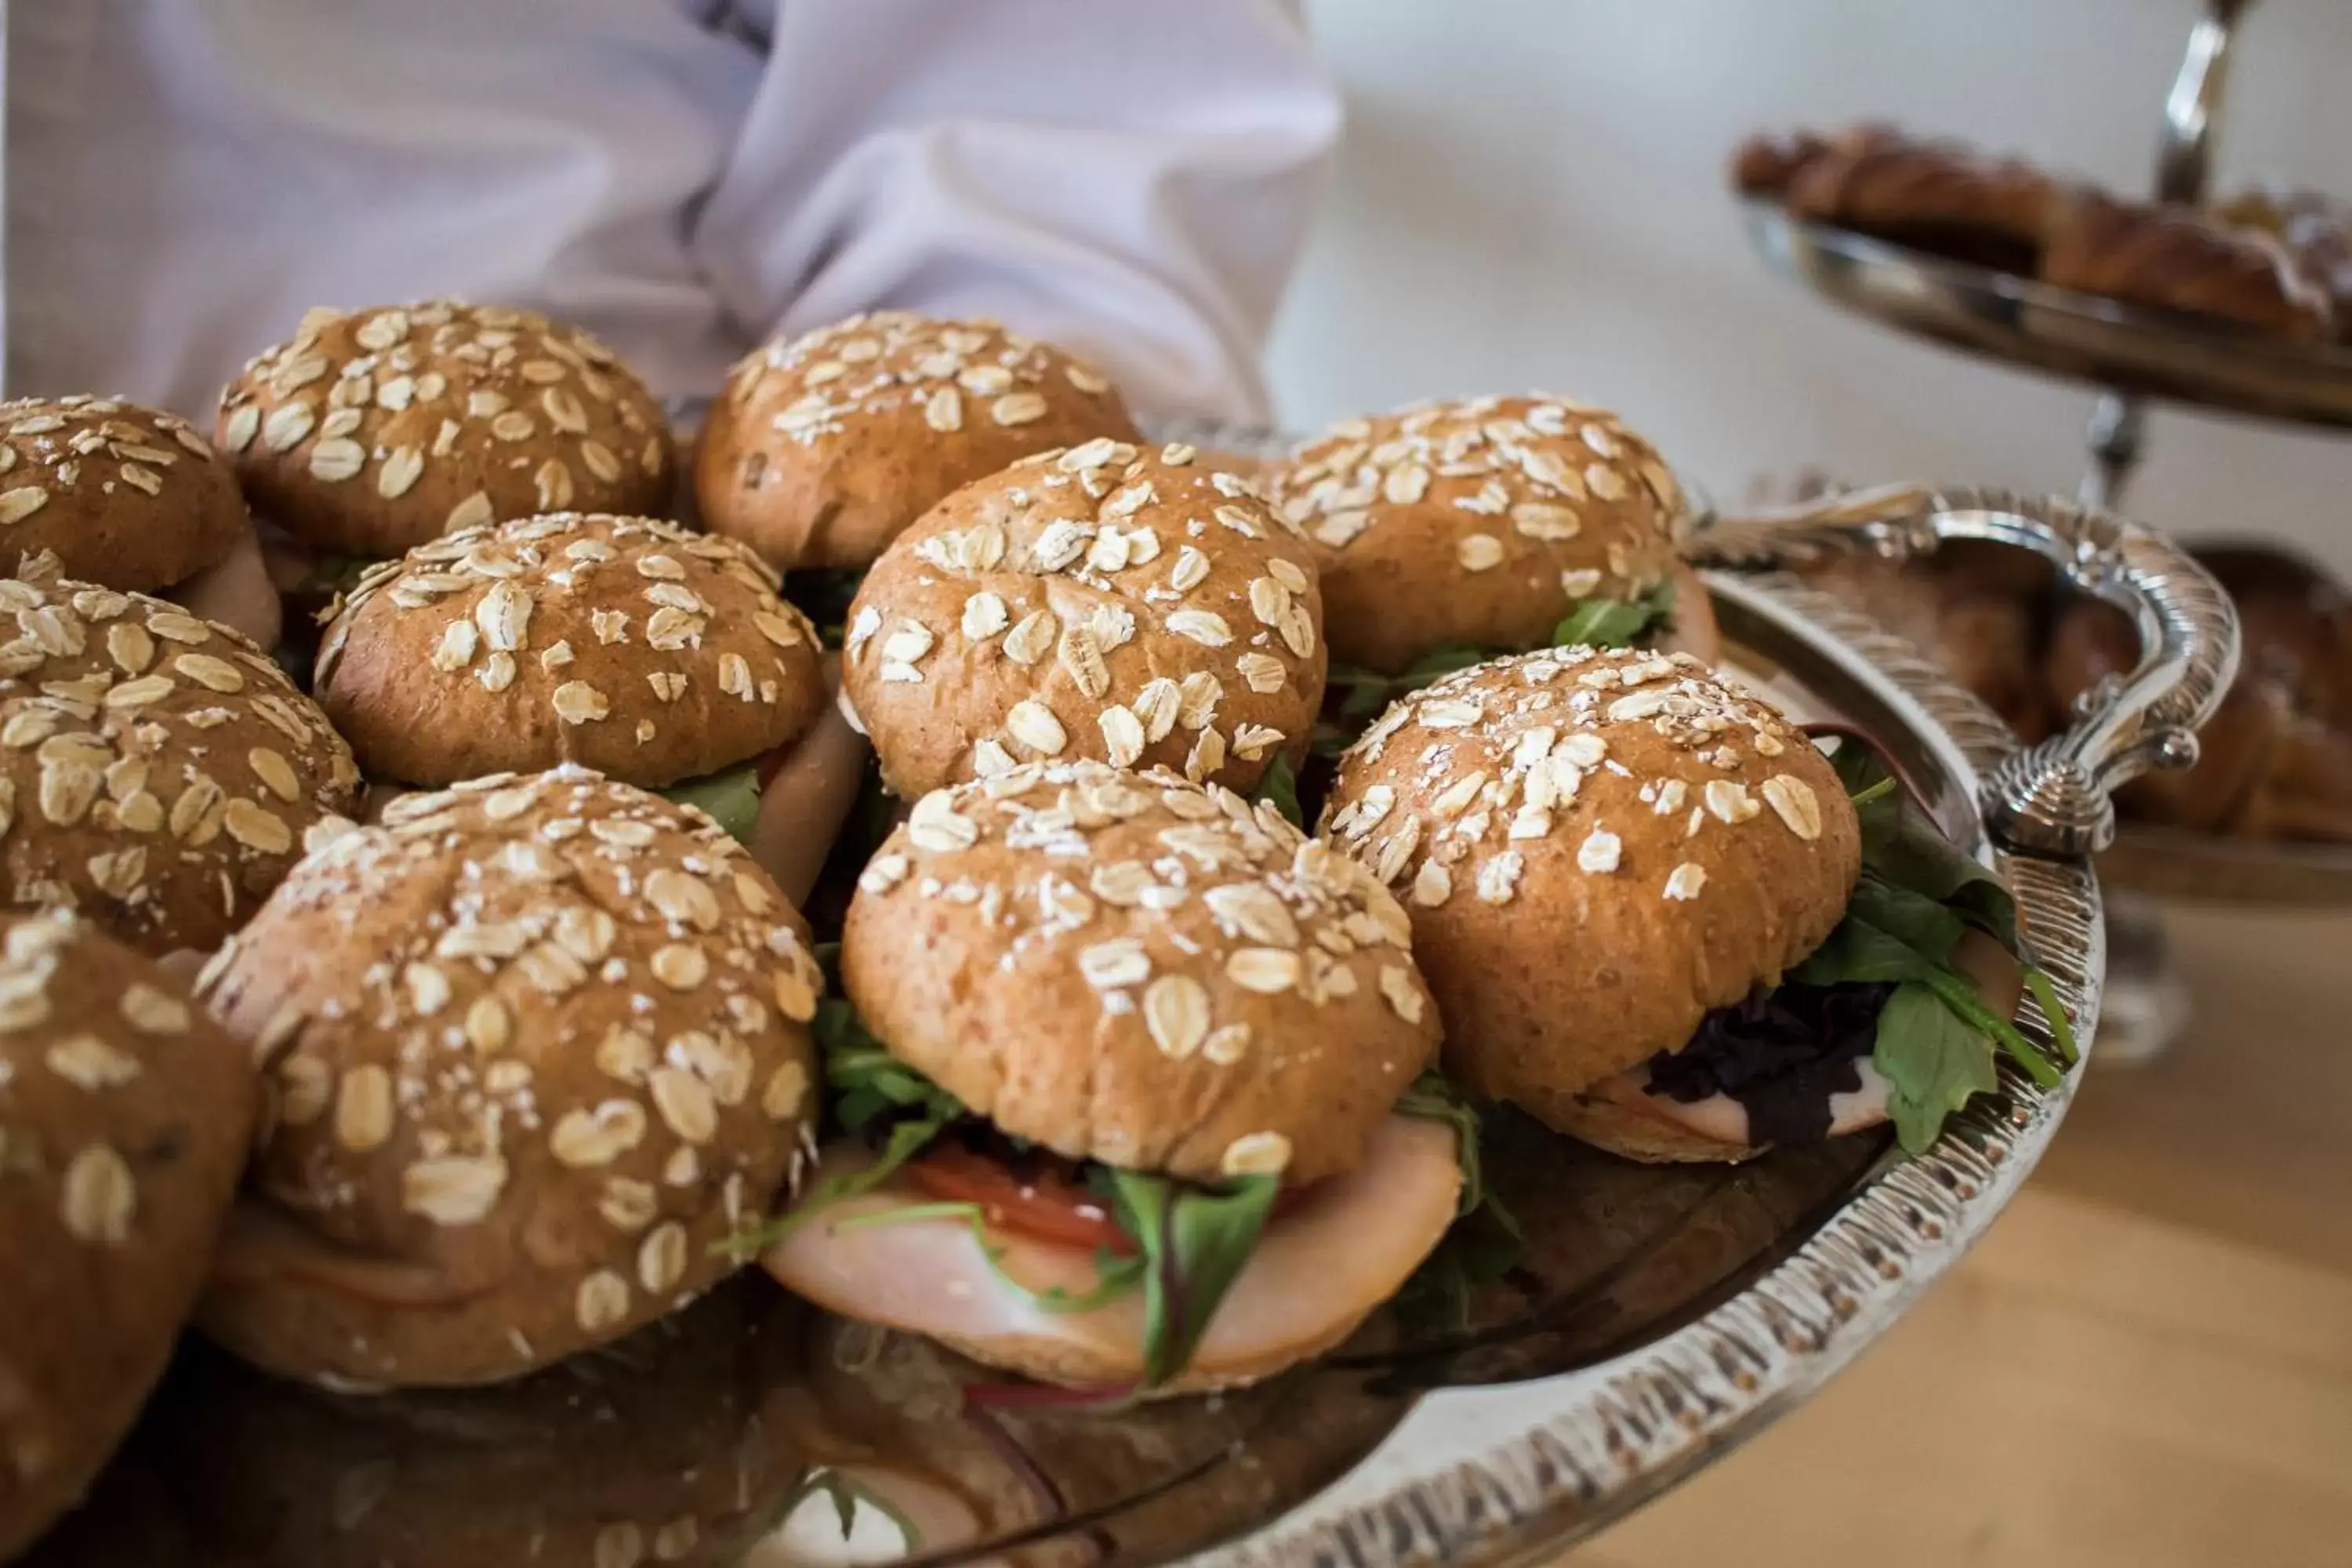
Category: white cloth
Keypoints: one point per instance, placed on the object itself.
(1130, 178)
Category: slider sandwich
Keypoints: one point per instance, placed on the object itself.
(371, 431)
(1124, 1089)
(132, 497)
(158, 772)
(1447, 533)
(125, 1116)
(1655, 916)
(656, 656)
(1133, 605)
(823, 447)
(533, 1048)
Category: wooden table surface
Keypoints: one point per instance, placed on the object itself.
(2148, 1360)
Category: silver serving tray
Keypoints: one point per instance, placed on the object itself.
(1675, 1313)
(2163, 353)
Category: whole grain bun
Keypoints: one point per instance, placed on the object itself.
(157, 772)
(823, 447)
(124, 496)
(536, 1047)
(1479, 522)
(372, 431)
(627, 645)
(673, 1445)
(124, 1119)
(1597, 848)
(1138, 606)
(1135, 969)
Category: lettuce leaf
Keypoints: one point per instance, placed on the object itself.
(1918, 895)
(1195, 1241)
(1279, 784)
(1192, 1240)
(867, 1088)
(1591, 623)
(1615, 622)
(730, 797)
(1932, 1060)
(1484, 1241)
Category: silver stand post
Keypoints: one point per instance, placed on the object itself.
(2146, 1007)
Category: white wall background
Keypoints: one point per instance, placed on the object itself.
(1531, 193)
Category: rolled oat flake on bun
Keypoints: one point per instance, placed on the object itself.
(371, 431)
(132, 497)
(536, 1048)
(1651, 916)
(1488, 523)
(1129, 604)
(125, 1115)
(157, 772)
(825, 447)
(1145, 1018)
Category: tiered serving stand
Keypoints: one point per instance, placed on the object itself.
(2132, 355)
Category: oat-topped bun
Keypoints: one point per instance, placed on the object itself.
(101, 490)
(372, 431)
(631, 646)
(1135, 970)
(157, 772)
(1598, 848)
(823, 447)
(1130, 968)
(124, 1118)
(1134, 606)
(536, 1046)
(125, 496)
(1479, 522)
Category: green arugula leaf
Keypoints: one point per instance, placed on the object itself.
(1432, 1098)
(1614, 623)
(1869, 794)
(1918, 895)
(867, 1085)
(1903, 847)
(1919, 922)
(1364, 692)
(1194, 1240)
(730, 797)
(1858, 952)
(1279, 784)
(2061, 1027)
(1933, 1061)
(1484, 1243)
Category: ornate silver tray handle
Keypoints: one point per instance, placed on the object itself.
(2055, 798)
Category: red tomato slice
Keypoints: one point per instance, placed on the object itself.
(1044, 1204)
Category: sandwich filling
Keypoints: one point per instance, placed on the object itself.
(1355, 697)
(1887, 1019)
(932, 1220)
